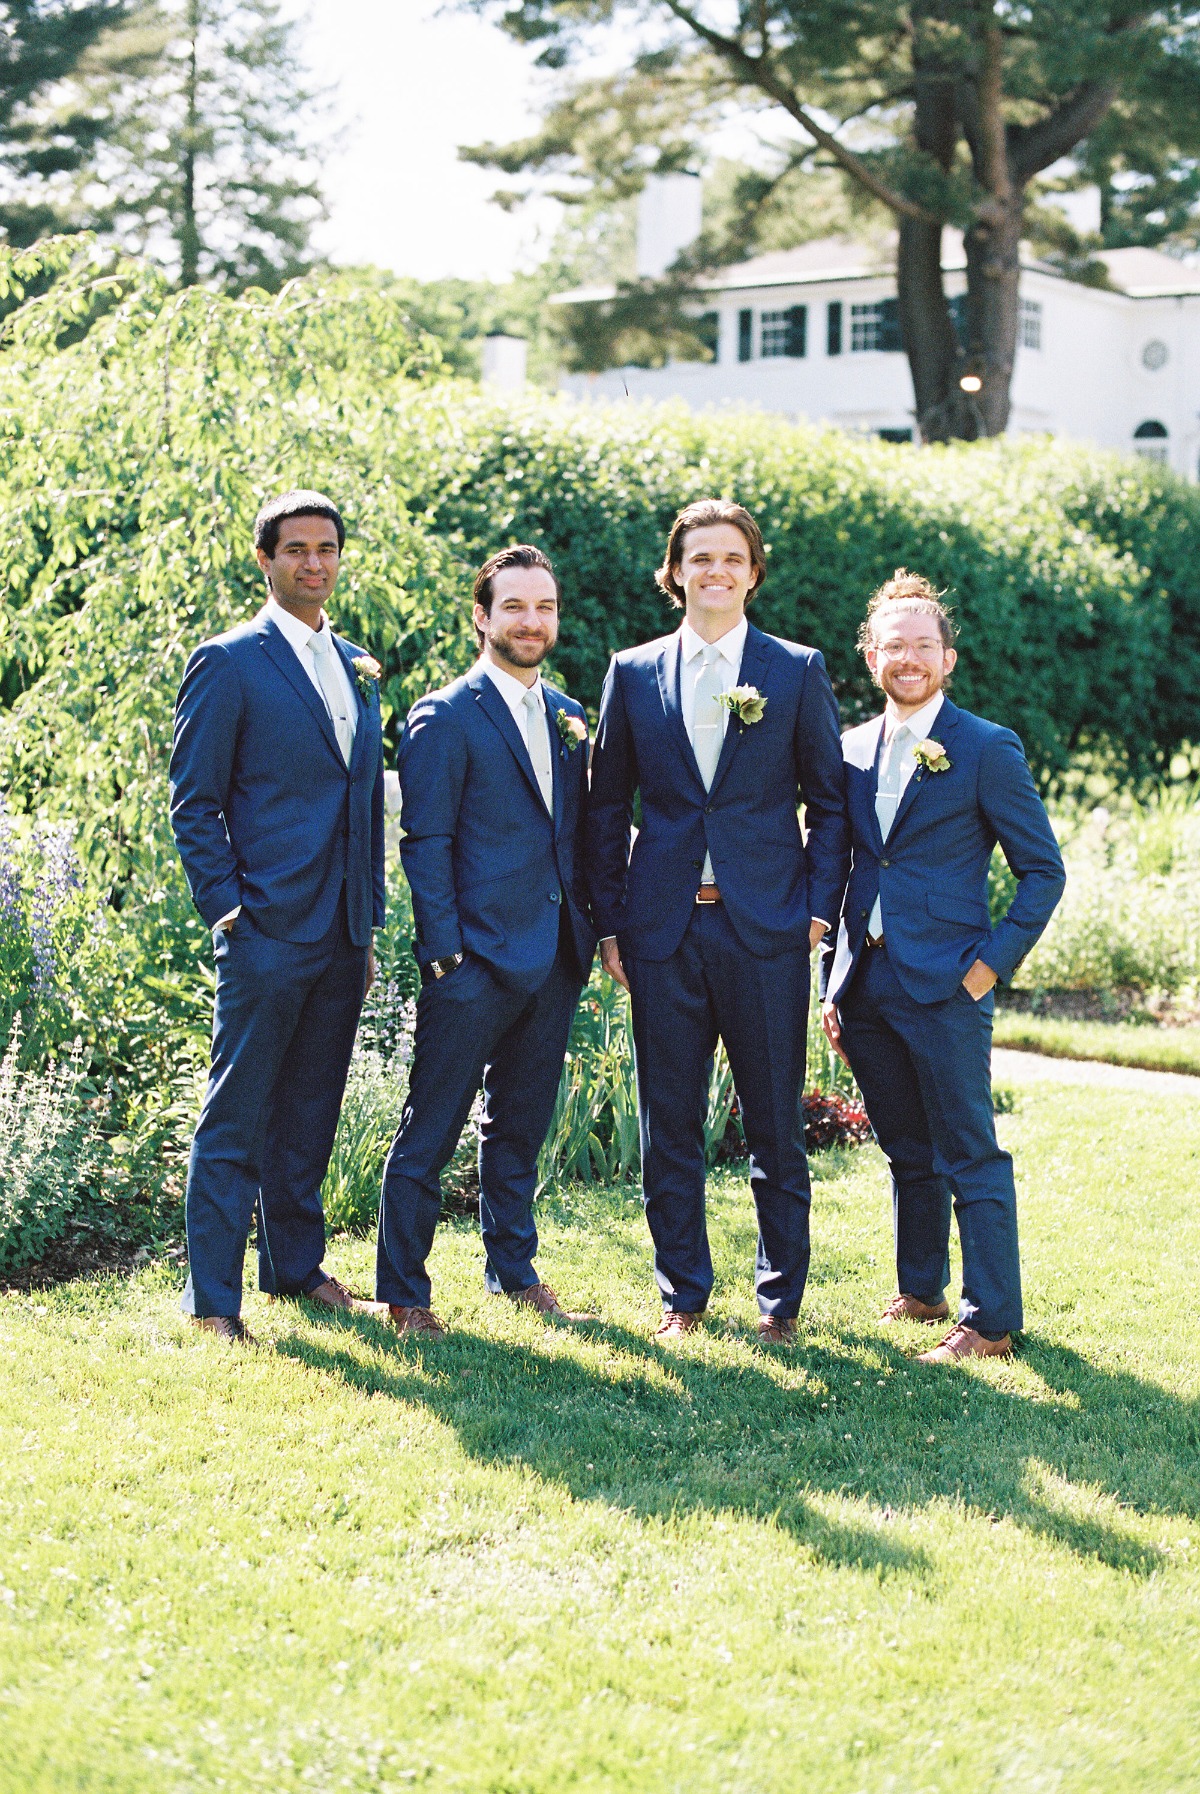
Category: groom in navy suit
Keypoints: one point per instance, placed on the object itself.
(493, 778)
(908, 1000)
(722, 731)
(277, 809)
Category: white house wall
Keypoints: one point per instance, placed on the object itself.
(1086, 382)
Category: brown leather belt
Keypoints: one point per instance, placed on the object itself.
(873, 940)
(708, 894)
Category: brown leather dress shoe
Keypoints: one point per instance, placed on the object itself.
(964, 1342)
(541, 1298)
(774, 1329)
(334, 1294)
(675, 1325)
(911, 1308)
(416, 1320)
(230, 1328)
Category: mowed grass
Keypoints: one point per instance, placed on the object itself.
(1116, 1043)
(532, 1560)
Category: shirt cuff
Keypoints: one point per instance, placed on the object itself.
(822, 921)
(605, 938)
(221, 920)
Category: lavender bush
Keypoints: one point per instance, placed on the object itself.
(43, 923)
(50, 1151)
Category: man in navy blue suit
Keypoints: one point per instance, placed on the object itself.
(908, 1000)
(493, 778)
(277, 808)
(722, 731)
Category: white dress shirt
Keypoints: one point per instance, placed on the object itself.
(298, 635)
(513, 693)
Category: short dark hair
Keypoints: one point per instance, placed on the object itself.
(300, 502)
(700, 515)
(521, 554)
(911, 593)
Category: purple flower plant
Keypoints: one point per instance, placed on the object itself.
(11, 918)
(57, 879)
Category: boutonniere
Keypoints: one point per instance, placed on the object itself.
(745, 702)
(931, 755)
(571, 729)
(367, 674)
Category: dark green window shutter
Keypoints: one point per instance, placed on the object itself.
(833, 328)
(797, 342)
(745, 335)
(889, 325)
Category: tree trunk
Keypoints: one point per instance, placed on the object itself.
(930, 339)
(993, 308)
(189, 233)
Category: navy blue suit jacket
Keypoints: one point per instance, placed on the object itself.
(771, 881)
(931, 873)
(265, 811)
(487, 865)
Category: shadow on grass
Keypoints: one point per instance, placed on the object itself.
(660, 1434)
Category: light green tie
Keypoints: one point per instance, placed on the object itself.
(332, 690)
(708, 729)
(538, 741)
(887, 802)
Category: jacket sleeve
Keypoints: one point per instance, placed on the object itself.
(432, 763)
(378, 865)
(1009, 799)
(610, 807)
(823, 788)
(208, 715)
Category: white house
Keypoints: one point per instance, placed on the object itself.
(813, 333)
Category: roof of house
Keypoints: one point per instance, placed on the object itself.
(1148, 273)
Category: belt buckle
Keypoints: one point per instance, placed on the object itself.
(708, 894)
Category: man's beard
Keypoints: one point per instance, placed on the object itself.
(934, 683)
(522, 653)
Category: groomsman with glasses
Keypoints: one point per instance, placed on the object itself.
(722, 732)
(493, 776)
(908, 1001)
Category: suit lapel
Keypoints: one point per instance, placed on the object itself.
(751, 672)
(282, 656)
(498, 712)
(945, 723)
(669, 674)
(873, 784)
(365, 707)
(558, 755)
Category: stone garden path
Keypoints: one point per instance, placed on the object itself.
(1012, 1067)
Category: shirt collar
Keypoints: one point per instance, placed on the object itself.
(919, 724)
(731, 644)
(510, 687)
(297, 633)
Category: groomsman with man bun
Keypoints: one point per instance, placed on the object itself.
(722, 731)
(908, 1000)
(277, 809)
(493, 776)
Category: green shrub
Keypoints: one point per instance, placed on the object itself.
(49, 1151)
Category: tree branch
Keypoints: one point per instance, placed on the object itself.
(1034, 147)
(757, 72)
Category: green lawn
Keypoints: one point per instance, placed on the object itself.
(530, 1561)
(1117, 1043)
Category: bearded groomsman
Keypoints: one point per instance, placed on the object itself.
(493, 774)
(722, 731)
(277, 808)
(909, 1000)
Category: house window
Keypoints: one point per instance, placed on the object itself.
(784, 332)
(833, 328)
(875, 326)
(745, 335)
(898, 435)
(1150, 440)
(1029, 324)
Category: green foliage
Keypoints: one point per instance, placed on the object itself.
(1075, 632)
(1136, 1043)
(49, 1150)
(1130, 917)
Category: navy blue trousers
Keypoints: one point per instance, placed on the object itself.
(925, 1071)
(472, 1031)
(712, 986)
(283, 1030)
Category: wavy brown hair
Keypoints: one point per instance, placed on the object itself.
(700, 515)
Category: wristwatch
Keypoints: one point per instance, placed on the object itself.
(439, 967)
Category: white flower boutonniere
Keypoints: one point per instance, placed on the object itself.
(931, 755)
(367, 674)
(571, 730)
(745, 702)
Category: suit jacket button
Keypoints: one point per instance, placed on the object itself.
(885, 862)
(699, 865)
(864, 912)
(553, 896)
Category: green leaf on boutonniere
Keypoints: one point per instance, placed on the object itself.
(571, 729)
(931, 755)
(367, 674)
(745, 702)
